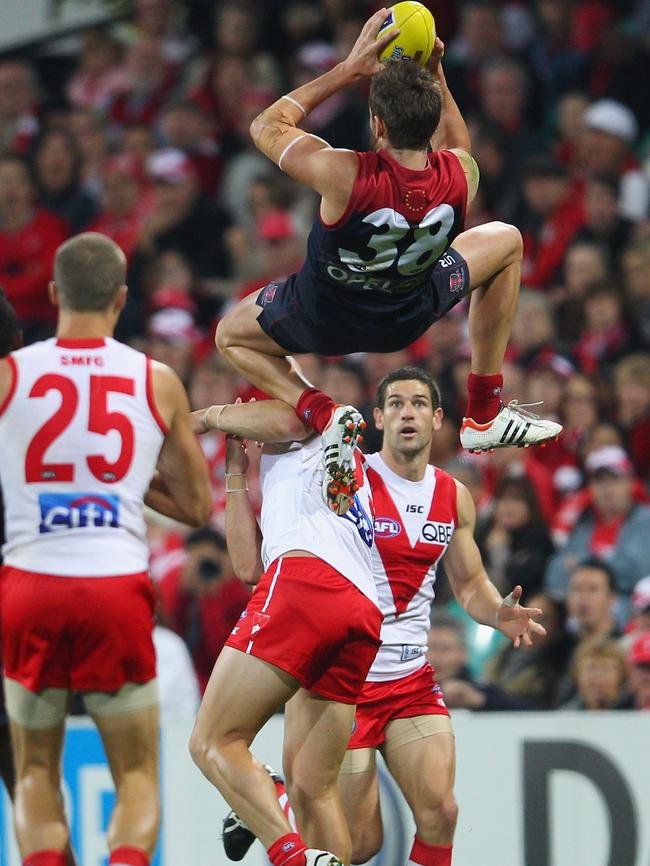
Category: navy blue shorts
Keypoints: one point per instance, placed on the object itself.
(301, 317)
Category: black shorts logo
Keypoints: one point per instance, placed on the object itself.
(268, 295)
(456, 282)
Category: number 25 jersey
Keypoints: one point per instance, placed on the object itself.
(79, 443)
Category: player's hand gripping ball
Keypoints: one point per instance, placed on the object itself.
(417, 33)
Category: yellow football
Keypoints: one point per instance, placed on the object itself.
(417, 34)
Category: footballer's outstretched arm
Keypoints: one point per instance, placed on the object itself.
(306, 157)
(452, 132)
(259, 421)
(473, 588)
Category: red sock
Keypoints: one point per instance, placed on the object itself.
(285, 805)
(46, 858)
(483, 397)
(429, 855)
(127, 855)
(315, 409)
(287, 851)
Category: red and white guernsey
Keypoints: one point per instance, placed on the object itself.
(414, 523)
(79, 443)
(294, 516)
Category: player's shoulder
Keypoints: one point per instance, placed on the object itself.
(34, 350)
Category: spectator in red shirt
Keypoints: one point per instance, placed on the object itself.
(554, 218)
(632, 387)
(29, 237)
(202, 598)
(125, 201)
(99, 76)
(614, 528)
(147, 82)
(605, 336)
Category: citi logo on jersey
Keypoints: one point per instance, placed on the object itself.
(386, 527)
(61, 511)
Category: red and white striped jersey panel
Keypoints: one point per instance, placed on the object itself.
(79, 443)
(414, 523)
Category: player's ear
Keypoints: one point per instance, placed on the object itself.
(53, 294)
(120, 299)
(378, 415)
(437, 418)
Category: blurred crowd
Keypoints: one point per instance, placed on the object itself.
(139, 130)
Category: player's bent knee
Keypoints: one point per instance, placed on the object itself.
(514, 239)
(437, 816)
(223, 337)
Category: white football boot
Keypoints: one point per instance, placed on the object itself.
(339, 440)
(316, 857)
(513, 425)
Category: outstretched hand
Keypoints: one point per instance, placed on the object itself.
(517, 622)
(362, 60)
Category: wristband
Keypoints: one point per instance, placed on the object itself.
(229, 489)
(295, 102)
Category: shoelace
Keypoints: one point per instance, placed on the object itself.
(521, 409)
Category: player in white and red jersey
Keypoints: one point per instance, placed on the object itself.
(85, 423)
(421, 513)
(308, 636)
(386, 256)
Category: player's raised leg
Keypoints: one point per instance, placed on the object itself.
(359, 790)
(493, 253)
(425, 768)
(254, 354)
(316, 733)
(131, 743)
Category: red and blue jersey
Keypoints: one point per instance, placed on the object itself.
(397, 226)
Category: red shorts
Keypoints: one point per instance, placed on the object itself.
(310, 621)
(81, 633)
(380, 703)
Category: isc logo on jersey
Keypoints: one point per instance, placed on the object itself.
(386, 527)
(61, 511)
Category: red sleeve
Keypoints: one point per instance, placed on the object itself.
(32, 254)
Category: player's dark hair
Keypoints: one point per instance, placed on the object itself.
(407, 98)
(9, 330)
(406, 374)
(598, 565)
(88, 271)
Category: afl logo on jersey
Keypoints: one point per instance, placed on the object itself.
(386, 527)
